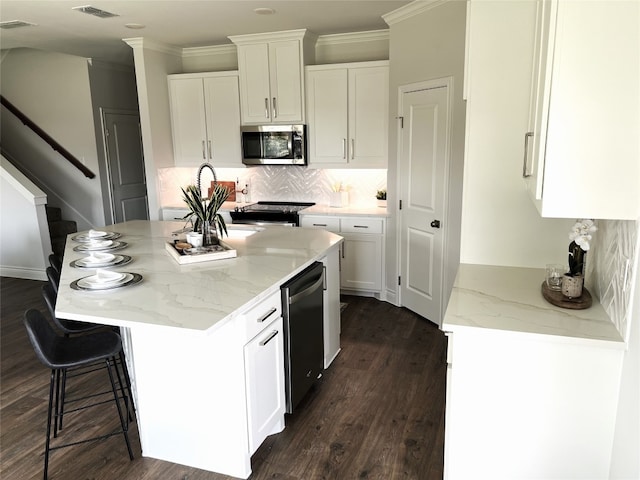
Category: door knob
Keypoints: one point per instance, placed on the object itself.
(435, 224)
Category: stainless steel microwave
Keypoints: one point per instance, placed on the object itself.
(274, 145)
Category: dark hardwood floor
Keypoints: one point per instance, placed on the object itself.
(377, 413)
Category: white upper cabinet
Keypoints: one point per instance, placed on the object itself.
(271, 68)
(348, 111)
(582, 155)
(205, 119)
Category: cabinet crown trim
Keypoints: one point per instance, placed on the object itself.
(272, 36)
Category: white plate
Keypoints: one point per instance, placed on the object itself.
(96, 234)
(98, 244)
(97, 258)
(118, 260)
(93, 283)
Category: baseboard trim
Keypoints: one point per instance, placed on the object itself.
(24, 273)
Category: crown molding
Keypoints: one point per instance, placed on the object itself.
(209, 50)
(411, 10)
(353, 37)
(145, 43)
(271, 36)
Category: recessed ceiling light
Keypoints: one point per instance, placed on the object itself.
(16, 24)
(88, 9)
(264, 11)
(134, 26)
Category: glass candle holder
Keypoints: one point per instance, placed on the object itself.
(554, 276)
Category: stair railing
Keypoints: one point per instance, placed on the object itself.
(47, 138)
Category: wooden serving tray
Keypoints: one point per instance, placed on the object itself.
(555, 297)
(185, 258)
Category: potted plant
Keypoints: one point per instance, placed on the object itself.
(381, 196)
(206, 212)
(580, 236)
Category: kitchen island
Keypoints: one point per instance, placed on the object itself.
(203, 342)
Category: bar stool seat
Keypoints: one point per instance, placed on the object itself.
(60, 353)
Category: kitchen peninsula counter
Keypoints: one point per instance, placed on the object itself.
(204, 343)
(532, 389)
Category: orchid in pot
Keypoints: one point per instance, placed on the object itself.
(206, 211)
(580, 236)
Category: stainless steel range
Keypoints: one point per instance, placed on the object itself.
(281, 213)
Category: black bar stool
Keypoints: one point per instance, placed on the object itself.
(55, 262)
(71, 327)
(54, 278)
(61, 353)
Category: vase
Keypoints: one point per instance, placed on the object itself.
(209, 234)
(382, 203)
(572, 285)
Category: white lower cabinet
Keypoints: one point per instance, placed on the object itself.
(264, 377)
(361, 253)
(524, 406)
(262, 329)
(331, 300)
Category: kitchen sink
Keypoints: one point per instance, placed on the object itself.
(241, 231)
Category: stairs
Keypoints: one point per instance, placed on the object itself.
(59, 229)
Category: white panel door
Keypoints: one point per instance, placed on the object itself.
(423, 163)
(327, 112)
(125, 163)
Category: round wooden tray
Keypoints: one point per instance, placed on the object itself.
(555, 297)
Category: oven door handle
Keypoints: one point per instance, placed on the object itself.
(307, 291)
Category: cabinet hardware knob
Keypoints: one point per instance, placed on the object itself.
(435, 224)
(275, 109)
(353, 148)
(204, 155)
(266, 108)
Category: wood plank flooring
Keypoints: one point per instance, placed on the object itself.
(377, 413)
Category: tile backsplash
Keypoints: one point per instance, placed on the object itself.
(280, 183)
(610, 268)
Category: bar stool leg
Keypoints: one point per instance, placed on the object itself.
(123, 422)
(52, 382)
(57, 404)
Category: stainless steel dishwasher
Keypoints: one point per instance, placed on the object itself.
(302, 312)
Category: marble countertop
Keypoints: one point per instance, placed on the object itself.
(355, 210)
(200, 296)
(318, 209)
(509, 299)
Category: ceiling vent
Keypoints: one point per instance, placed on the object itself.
(16, 24)
(96, 12)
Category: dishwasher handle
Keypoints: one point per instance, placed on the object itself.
(307, 291)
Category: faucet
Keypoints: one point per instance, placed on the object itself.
(210, 167)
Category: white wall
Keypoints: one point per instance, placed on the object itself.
(500, 224)
(153, 63)
(425, 46)
(113, 87)
(53, 91)
(24, 233)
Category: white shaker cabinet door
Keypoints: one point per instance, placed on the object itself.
(253, 63)
(188, 121)
(222, 100)
(264, 375)
(285, 74)
(361, 262)
(327, 103)
(368, 116)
